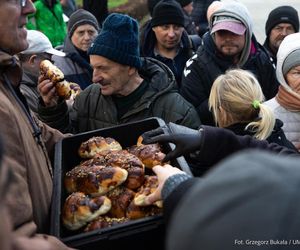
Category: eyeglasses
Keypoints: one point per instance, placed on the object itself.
(23, 3)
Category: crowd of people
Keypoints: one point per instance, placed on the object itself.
(201, 70)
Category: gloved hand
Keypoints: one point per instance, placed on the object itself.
(185, 139)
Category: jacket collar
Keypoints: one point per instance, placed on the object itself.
(10, 65)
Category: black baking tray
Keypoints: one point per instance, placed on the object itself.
(144, 233)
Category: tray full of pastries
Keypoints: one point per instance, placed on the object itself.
(100, 179)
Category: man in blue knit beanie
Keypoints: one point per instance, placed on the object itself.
(126, 86)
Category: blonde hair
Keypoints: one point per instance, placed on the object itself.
(236, 96)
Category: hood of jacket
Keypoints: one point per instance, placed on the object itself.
(241, 13)
(288, 45)
(160, 77)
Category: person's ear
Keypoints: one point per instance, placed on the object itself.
(32, 59)
(131, 70)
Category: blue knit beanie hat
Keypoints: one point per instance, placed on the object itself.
(118, 40)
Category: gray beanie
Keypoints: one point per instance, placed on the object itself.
(81, 17)
(292, 60)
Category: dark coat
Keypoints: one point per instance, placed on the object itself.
(26, 154)
(204, 67)
(91, 110)
(28, 88)
(98, 8)
(247, 199)
(273, 57)
(218, 143)
(277, 135)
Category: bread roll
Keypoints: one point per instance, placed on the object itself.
(94, 180)
(120, 199)
(150, 185)
(131, 163)
(56, 76)
(79, 209)
(151, 154)
(98, 145)
(50, 71)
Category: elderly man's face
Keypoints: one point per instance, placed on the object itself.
(83, 36)
(113, 78)
(168, 36)
(278, 33)
(13, 18)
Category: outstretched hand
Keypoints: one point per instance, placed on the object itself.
(163, 173)
(185, 139)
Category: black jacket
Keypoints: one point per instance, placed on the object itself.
(277, 135)
(218, 143)
(204, 67)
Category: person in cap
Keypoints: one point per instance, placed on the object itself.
(167, 40)
(282, 21)
(29, 143)
(249, 200)
(237, 103)
(126, 87)
(40, 48)
(82, 30)
(286, 104)
(229, 44)
(48, 19)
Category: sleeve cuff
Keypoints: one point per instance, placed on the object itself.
(172, 182)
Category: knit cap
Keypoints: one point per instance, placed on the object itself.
(118, 40)
(282, 14)
(81, 17)
(292, 60)
(167, 12)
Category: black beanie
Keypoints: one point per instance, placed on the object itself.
(282, 14)
(118, 40)
(167, 12)
(81, 17)
(184, 2)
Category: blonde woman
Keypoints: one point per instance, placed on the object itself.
(236, 101)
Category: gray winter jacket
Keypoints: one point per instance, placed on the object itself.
(91, 110)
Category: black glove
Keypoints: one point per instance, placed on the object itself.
(186, 140)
